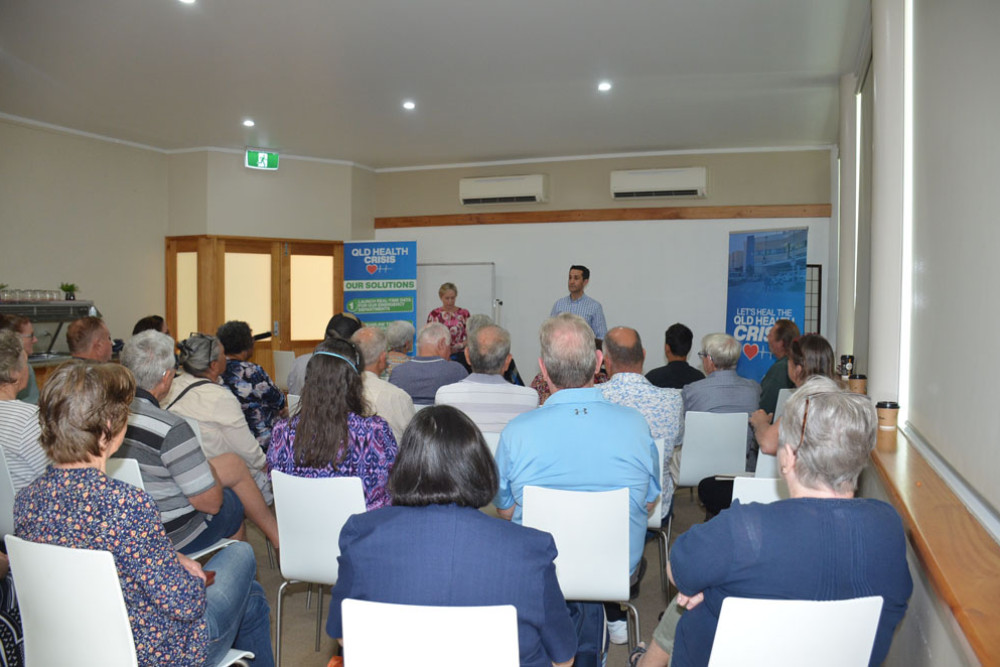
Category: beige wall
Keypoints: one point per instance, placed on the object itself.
(187, 191)
(74, 209)
(778, 177)
(362, 204)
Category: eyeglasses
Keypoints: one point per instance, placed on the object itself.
(704, 355)
(30, 336)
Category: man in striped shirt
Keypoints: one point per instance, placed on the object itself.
(488, 399)
(580, 304)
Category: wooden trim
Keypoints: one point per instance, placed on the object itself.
(170, 271)
(961, 559)
(610, 214)
(250, 239)
(338, 278)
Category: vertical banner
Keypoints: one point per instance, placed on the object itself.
(767, 282)
(380, 281)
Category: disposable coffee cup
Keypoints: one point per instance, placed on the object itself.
(858, 384)
(888, 413)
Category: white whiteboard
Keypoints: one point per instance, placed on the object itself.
(476, 283)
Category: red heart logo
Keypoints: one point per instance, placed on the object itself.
(750, 350)
(372, 269)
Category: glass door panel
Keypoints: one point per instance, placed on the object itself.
(187, 294)
(248, 290)
(311, 289)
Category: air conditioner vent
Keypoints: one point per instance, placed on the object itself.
(516, 199)
(659, 183)
(524, 189)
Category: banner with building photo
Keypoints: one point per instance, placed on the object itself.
(380, 281)
(767, 282)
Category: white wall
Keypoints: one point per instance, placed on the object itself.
(646, 274)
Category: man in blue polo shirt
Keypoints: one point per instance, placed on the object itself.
(579, 441)
(579, 303)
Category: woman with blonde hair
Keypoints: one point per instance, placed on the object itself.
(450, 315)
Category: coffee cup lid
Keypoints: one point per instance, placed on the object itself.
(891, 405)
(859, 376)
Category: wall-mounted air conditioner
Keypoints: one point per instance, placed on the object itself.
(503, 189)
(659, 183)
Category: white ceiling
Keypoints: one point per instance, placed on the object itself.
(493, 80)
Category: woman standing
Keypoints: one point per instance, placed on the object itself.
(451, 316)
(329, 437)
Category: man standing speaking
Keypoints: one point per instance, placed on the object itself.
(580, 304)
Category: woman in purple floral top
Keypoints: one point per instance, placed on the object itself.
(175, 619)
(262, 401)
(328, 437)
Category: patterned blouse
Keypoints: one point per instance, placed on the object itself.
(259, 397)
(84, 509)
(370, 455)
(455, 321)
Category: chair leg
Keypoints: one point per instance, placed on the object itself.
(632, 614)
(270, 552)
(309, 596)
(662, 540)
(319, 614)
(277, 627)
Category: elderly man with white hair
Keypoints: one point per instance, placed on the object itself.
(431, 369)
(386, 400)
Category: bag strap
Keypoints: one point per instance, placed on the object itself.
(186, 390)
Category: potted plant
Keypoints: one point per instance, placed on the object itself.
(70, 290)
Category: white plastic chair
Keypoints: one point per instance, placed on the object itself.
(655, 522)
(767, 466)
(779, 407)
(293, 404)
(283, 360)
(759, 490)
(591, 531)
(72, 609)
(6, 498)
(492, 439)
(714, 444)
(311, 512)
(790, 633)
(125, 470)
(423, 635)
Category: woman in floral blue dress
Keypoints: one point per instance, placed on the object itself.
(329, 437)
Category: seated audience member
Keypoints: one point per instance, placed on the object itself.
(88, 339)
(384, 399)
(400, 335)
(330, 436)
(579, 441)
(151, 323)
(176, 619)
(11, 633)
(199, 394)
(19, 430)
(341, 325)
(25, 331)
(476, 321)
(822, 543)
(485, 396)
(541, 385)
(434, 547)
(662, 408)
(200, 501)
(431, 369)
(779, 338)
(260, 398)
(678, 372)
(723, 391)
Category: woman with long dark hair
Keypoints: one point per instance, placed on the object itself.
(329, 437)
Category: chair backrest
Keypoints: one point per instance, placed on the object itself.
(125, 470)
(6, 498)
(422, 635)
(591, 531)
(779, 407)
(767, 466)
(654, 517)
(759, 489)
(714, 444)
(283, 360)
(293, 404)
(311, 512)
(72, 609)
(492, 439)
(783, 633)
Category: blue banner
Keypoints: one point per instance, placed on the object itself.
(380, 281)
(767, 282)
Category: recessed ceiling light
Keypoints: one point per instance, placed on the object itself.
(604, 86)
(248, 122)
(409, 105)
(188, 2)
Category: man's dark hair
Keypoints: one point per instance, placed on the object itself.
(679, 338)
(150, 322)
(235, 337)
(786, 331)
(342, 325)
(582, 269)
(443, 459)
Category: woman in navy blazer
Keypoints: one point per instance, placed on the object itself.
(434, 546)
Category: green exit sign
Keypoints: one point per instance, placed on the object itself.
(262, 160)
